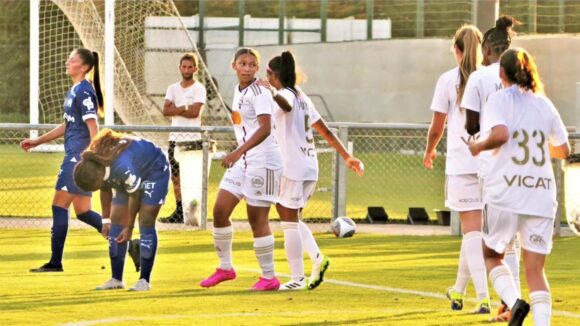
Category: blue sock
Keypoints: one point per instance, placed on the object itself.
(148, 243)
(117, 252)
(93, 219)
(58, 234)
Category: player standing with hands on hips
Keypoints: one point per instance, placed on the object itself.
(523, 132)
(295, 116)
(183, 104)
(79, 127)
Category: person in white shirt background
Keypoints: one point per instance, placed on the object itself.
(184, 103)
(480, 85)
(462, 192)
(295, 116)
(524, 131)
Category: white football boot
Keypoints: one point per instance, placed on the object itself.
(141, 285)
(112, 284)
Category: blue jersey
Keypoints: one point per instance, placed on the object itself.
(80, 105)
(139, 165)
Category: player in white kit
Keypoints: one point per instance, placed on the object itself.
(294, 117)
(253, 173)
(482, 83)
(462, 192)
(523, 130)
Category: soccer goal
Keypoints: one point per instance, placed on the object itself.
(140, 43)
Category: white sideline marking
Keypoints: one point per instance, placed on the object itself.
(300, 313)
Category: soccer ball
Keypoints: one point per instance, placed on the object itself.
(343, 227)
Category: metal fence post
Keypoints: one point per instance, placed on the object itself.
(370, 16)
(420, 28)
(204, 180)
(281, 14)
(323, 16)
(455, 223)
(242, 26)
(532, 15)
(561, 16)
(200, 37)
(339, 203)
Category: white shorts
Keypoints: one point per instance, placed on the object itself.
(500, 228)
(462, 192)
(259, 187)
(294, 194)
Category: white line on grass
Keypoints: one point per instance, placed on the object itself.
(407, 291)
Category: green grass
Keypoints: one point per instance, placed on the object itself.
(394, 181)
(415, 263)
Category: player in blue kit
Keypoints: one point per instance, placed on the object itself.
(138, 171)
(79, 127)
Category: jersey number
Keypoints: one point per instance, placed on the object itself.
(538, 140)
(307, 129)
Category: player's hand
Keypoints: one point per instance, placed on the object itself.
(474, 147)
(428, 159)
(105, 231)
(125, 235)
(231, 159)
(265, 83)
(28, 144)
(356, 165)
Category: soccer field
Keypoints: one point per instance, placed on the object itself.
(373, 280)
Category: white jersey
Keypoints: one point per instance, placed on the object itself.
(294, 134)
(520, 178)
(459, 159)
(181, 96)
(248, 104)
(480, 85)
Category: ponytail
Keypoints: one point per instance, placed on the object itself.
(520, 69)
(89, 172)
(284, 66)
(91, 58)
(499, 38)
(468, 40)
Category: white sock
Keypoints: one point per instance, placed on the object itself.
(541, 306)
(462, 271)
(503, 283)
(474, 254)
(512, 260)
(222, 239)
(293, 246)
(308, 242)
(264, 248)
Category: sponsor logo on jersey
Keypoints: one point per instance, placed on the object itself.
(68, 118)
(69, 102)
(528, 181)
(308, 151)
(88, 103)
(257, 182)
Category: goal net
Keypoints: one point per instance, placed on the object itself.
(150, 37)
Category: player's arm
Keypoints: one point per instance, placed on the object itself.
(471, 122)
(93, 127)
(106, 196)
(498, 136)
(350, 161)
(434, 137)
(55, 133)
(263, 131)
(170, 110)
(192, 111)
(561, 152)
(282, 102)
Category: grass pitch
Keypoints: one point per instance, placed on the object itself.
(373, 280)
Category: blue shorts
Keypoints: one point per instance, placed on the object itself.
(65, 181)
(153, 190)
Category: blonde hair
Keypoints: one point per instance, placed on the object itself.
(468, 40)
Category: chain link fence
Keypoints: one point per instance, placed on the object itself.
(394, 176)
